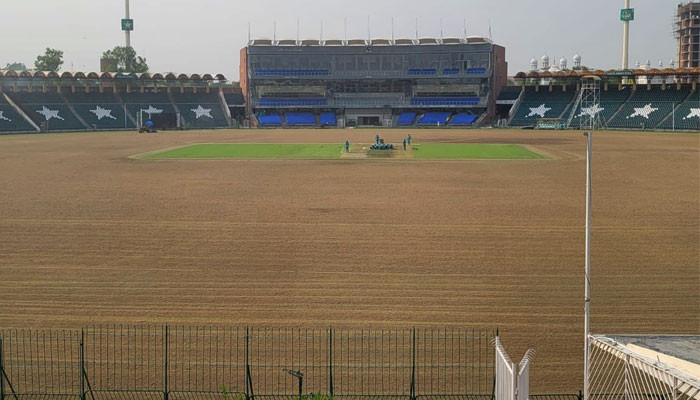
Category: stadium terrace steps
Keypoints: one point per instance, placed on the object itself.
(646, 109)
(434, 118)
(686, 115)
(48, 109)
(611, 101)
(11, 120)
(104, 110)
(148, 103)
(200, 109)
(406, 119)
(541, 104)
(270, 120)
(328, 119)
(463, 119)
(300, 119)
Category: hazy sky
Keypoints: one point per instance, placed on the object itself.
(205, 36)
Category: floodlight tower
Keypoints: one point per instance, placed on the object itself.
(626, 15)
(127, 24)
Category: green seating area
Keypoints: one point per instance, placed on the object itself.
(610, 101)
(542, 104)
(10, 120)
(47, 109)
(647, 108)
(100, 109)
(147, 104)
(687, 116)
(201, 109)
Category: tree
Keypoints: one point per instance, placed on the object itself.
(50, 61)
(124, 59)
(16, 66)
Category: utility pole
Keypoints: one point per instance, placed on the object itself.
(587, 298)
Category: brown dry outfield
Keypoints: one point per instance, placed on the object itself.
(88, 234)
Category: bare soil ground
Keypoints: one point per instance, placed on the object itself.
(89, 235)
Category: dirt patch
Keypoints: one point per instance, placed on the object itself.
(89, 235)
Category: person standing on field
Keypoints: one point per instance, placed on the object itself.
(409, 139)
(376, 139)
(347, 146)
(404, 144)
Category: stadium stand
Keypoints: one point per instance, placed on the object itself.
(425, 71)
(541, 104)
(445, 101)
(510, 93)
(645, 109)
(291, 72)
(463, 119)
(103, 110)
(48, 109)
(200, 109)
(234, 99)
(434, 118)
(406, 119)
(149, 103)
(10, 120)
(270, 120)
(328, 119)
(300, 118)
(277, 102)
(687, 116)
(610, 102)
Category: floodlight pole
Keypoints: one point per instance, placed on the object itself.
(587, 318)
(625, 39)
(127, 32)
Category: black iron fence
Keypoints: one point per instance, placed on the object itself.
(185, 362)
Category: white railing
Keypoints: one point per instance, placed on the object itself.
(512, 380)
(616, 372)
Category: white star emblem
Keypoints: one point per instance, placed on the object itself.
(541, 111)
(127, 25)
(643, 111)
(202, 112)
(49, 114)
(694, 113)
(152, 110)
(4, 118)
(102, 113)
(591, 111)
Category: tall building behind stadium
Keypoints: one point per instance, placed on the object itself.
(688, 34)
(451, 81)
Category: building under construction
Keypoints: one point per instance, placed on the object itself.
(688, 34)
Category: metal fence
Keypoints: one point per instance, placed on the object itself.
(185, 362)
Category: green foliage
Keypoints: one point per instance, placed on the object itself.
(124, 59)
(16, 66)
(50, 61)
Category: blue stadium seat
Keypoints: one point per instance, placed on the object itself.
(450, 71)
(476, 70)
(445, 101)
(328, 119)
(434, 118)
(406, 119)
(270, 120)
(463, 119)
(295, 119)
